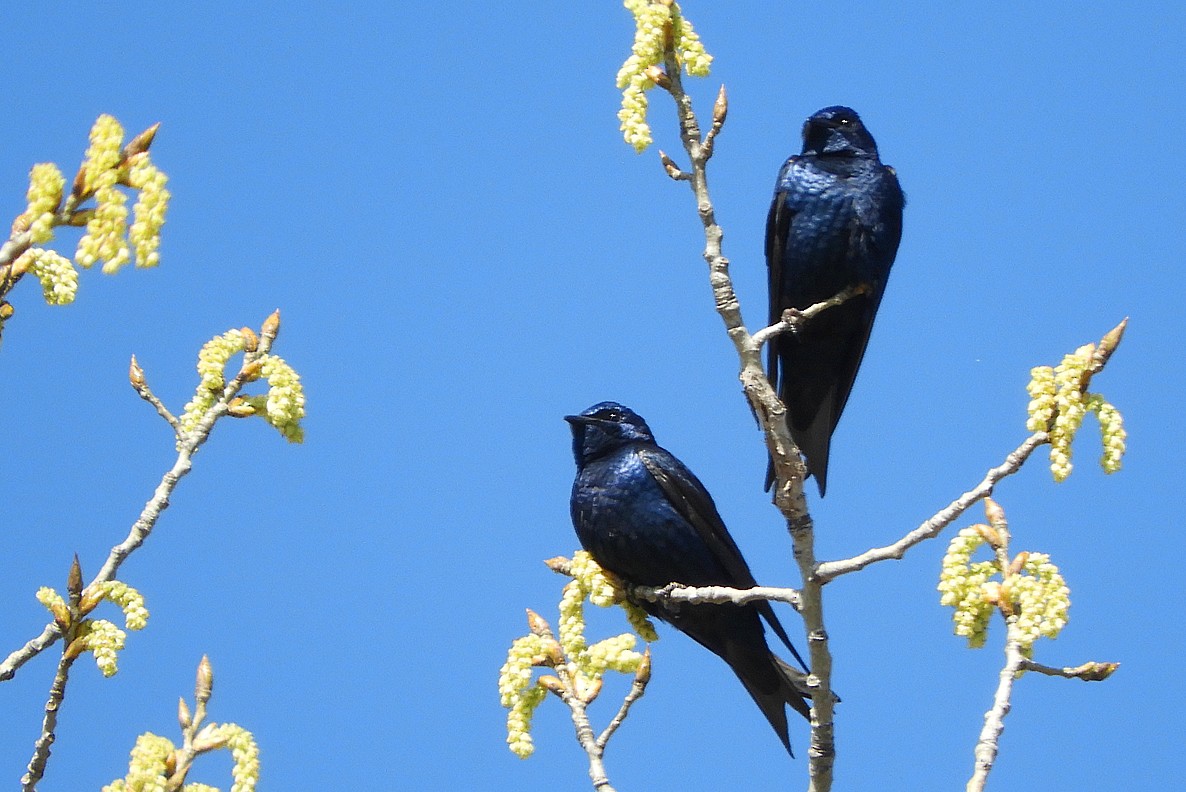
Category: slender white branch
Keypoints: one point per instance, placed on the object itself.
(788, 465)
(793, 319)
(1088, 672)
(49, 725)
(147, 520)
(703, 595)
(585, 736)
(934, 526)
(637, 688)
(988, 745)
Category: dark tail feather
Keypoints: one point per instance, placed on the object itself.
(771, 684)
(814, 442)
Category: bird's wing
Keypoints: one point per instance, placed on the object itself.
(778, 228)
(691, 500)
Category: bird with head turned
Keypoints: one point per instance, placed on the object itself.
(647, 519)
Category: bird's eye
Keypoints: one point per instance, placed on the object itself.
(844, 121)
(613, 415)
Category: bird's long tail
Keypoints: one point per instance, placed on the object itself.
(772, 683)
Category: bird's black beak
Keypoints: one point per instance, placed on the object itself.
(578, 420)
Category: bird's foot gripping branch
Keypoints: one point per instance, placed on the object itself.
(643, 515)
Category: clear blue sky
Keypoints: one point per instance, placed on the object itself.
(437, 198)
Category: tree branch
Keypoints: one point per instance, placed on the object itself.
(793, 318)
(932, 527)
(637, 688)
(1088, 672)
(988, 746)
(789, 469)
(159, 501)
(715, 595)
(584, 729)
(49, 724)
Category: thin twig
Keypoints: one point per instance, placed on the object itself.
(716, 595)
(192, 726)
(1088, 672)
(792, 318)
(136, 377)
(994, 720)
(637, 688)
(159, 501)
(49, 725)
(584, 729)
(932, 527)
(564, 686)
(789, 469)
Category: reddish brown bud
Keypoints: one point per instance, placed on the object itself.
(205, 681)
(238, 407)
(720, 108)
(669, 165)
(79, 182)
(140, 143)
(989, 535)
(251, 370)
(136, 375)
(1112, 339)
(90, 600)
(538, 625)
(995, 514)
(1019, 562)
(560, 565)
(554, 653)
(658, 77)
(1107, 346)
(271, 325)
(183, 716)
(74, 580)
(76, 648)
(551, 684)
(62, 616)
(643, 674)
(250, 339)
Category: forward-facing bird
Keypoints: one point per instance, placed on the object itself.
(644, 517)
(835, 223)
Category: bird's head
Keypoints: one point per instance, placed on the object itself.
(604, 427)
(837, 131)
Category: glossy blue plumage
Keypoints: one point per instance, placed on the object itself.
(647, 519)
(835, 222)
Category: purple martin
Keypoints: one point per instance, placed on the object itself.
(835, 222)
(647, 519)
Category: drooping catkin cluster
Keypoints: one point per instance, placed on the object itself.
(107, 166)
(157, 764)
(283, 406)
(579, 667)
(604, 593)
(655, 21)
(1058, 405)
(150, 764)
(100, 637)
(1028, 589)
